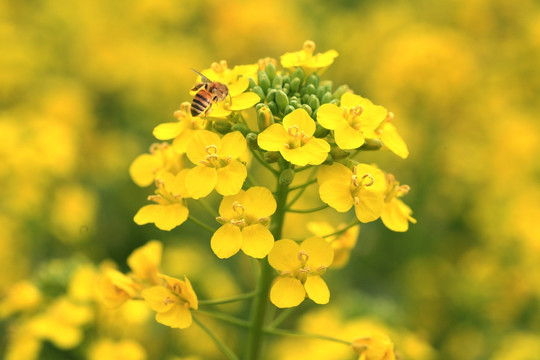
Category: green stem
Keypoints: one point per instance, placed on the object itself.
(260, 303)
(304, 335)
(229, 299)
(201, 224)
(280, 318)
(264, 163)
(297, 196)
(225, 317)
(208, 207)
(340, 231)
(228, 353)
(292, 188)
(307, 211)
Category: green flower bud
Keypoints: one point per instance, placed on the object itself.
(285, 79)
(299, 73)
(286, 90)
(286, 177)
(288, 109)
(338, 153)
(277, 81)
(259, 106)
(327, 85)
(281, 100)
(271, 156)
(313, 79)
(294, 103)
(371, 144)
(264, 118)
(340, 91)
(334, 101)
(295, 84)
(313, 102)
(252, 83)
(222, 127)
(320, 92)
(251, 140)
(264, 81)
(308, 109)
(259, 91)
(297, 94)
(270, 70)
(271, 95)
(320, 132)
(326, 98)
(273, 107)
(329, 160)
(305, 98)
(240, 127)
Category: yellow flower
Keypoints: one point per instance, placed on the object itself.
(353, 121)
(305, 58)
(342, 243)
(237, 81)
(147, 167)
(377, 346)
(300, 268)
(396, 214)
(363, 187)
(170, 209)
(116, 288)
(390, 138)
(245, 218)
(217, 164)
(172, 302)
(21, 296)
(294, 140)
(181, 130)
(145, 260)
(119, 350)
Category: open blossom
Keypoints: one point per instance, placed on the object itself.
(375, 346)
(147, 167)
(216, 163)
(305, 58)
(169, 209)
(300, 268)
(116, 288)
(353, 121)
(387, 133)
(245, 218)
(396, 214)
(342, 243)
(172, 301)
(363, 187)
(294, 140)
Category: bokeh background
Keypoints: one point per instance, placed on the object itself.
(83, 83)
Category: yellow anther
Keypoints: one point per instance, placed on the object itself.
(404, 189)
(309, 46)
(211, 150)
(356, 200)
(305, 270)
(371, 180)
(167, 301)
(354, 180)
(303, 256)
(293, 130)
(238, 207)
(357, 111)
(154, 198)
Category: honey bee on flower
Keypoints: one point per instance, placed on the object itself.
(208, 92)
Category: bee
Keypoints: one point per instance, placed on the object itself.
(208, 92)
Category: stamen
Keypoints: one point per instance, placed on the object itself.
(356, 200)
(287, 146)
(240, 222)
(357, 111)
(238, 208)
(404, 189)
(154, 198)
(303, 256)
(309, 46)
(305, 270)
(211, 150)
(293, 130)
(355, 180)
(167, 301)
(371, 179)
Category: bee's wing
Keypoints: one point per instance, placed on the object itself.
(203, 78)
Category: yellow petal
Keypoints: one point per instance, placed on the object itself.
(302, 120)
(391, 139)
(369, 207)
(298, 156)
(238, 87)
(320, 252)
(372, 117)
(201, 145)
(231, 178)
(396, 215)
(233, 144)
(180, 142)
(200, 181)
(145, 260)
(226, 241)
(317, 151)
(219, 111)
(337, 194)
(147, 214)
(259, 202)
(350, 100)
(226, 208)
(273, 138)
(284, 256)
(178, 317)
(257, 241)
(348, 138)
(376, 174)
(336, 172)
(142, 170)
(244, 101)
(190, 295)
(156, 296)
(317, 290)
(178, 186)
(287, 292)
(330, 116)
(165, 217)
(168, 131)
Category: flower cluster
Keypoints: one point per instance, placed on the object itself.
(298, 121)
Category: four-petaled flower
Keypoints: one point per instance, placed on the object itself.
(300, 268)
(245, 218)
(305, 58)
(362, 187)
(217, 164)
(148, 167)
(396, 214)
(356, 119)
(172, 302)
(170, 209)
(294, 140)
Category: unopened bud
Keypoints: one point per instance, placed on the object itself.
(313, 102)
(277, 81)
(270, 71)
(264, 81)
(286, 177)
(340, 91)
(320, 131)
(259, 91)
(308, 109)
(271, 156)
(313, 79)
(251, 139)
(299, 73)
(371, 144)
(264, 118)
(281, 100)
(288, 109)
(326, 98)
(338, 153)
(222, 127)
(240, 127)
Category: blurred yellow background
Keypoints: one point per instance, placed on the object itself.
(83, 83)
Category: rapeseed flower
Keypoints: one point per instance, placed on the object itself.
(172, 301)
(170, 209)
(376, 346)
(245, 218)
(116, 288)
(354, 120)
(363, 187)
(294, 140)
(342, 243)
(147, 167)
(306, 60)
(396, 214)
(217, 164)
(300, 268)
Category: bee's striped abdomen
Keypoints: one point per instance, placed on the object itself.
(200, 102)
